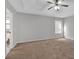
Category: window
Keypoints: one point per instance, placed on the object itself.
(58, 27)
(8, 20)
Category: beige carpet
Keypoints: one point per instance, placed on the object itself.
(46, 49)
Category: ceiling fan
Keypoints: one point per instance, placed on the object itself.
(56, 4)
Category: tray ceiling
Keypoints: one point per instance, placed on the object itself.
(40, 7)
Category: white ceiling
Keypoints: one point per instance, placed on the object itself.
(40, 7)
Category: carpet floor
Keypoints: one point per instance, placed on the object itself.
(46, 49)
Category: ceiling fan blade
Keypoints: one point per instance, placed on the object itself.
(50, 8)
(65, 5)
(56, 1)
(49, 2)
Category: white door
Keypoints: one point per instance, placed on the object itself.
(9, 30)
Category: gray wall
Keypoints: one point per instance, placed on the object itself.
(69, 27)
(28, 27)
(32, 27)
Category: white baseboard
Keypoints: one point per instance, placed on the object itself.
(69, 38)
(38, 39)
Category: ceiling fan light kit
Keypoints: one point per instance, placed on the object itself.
(57, 8)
